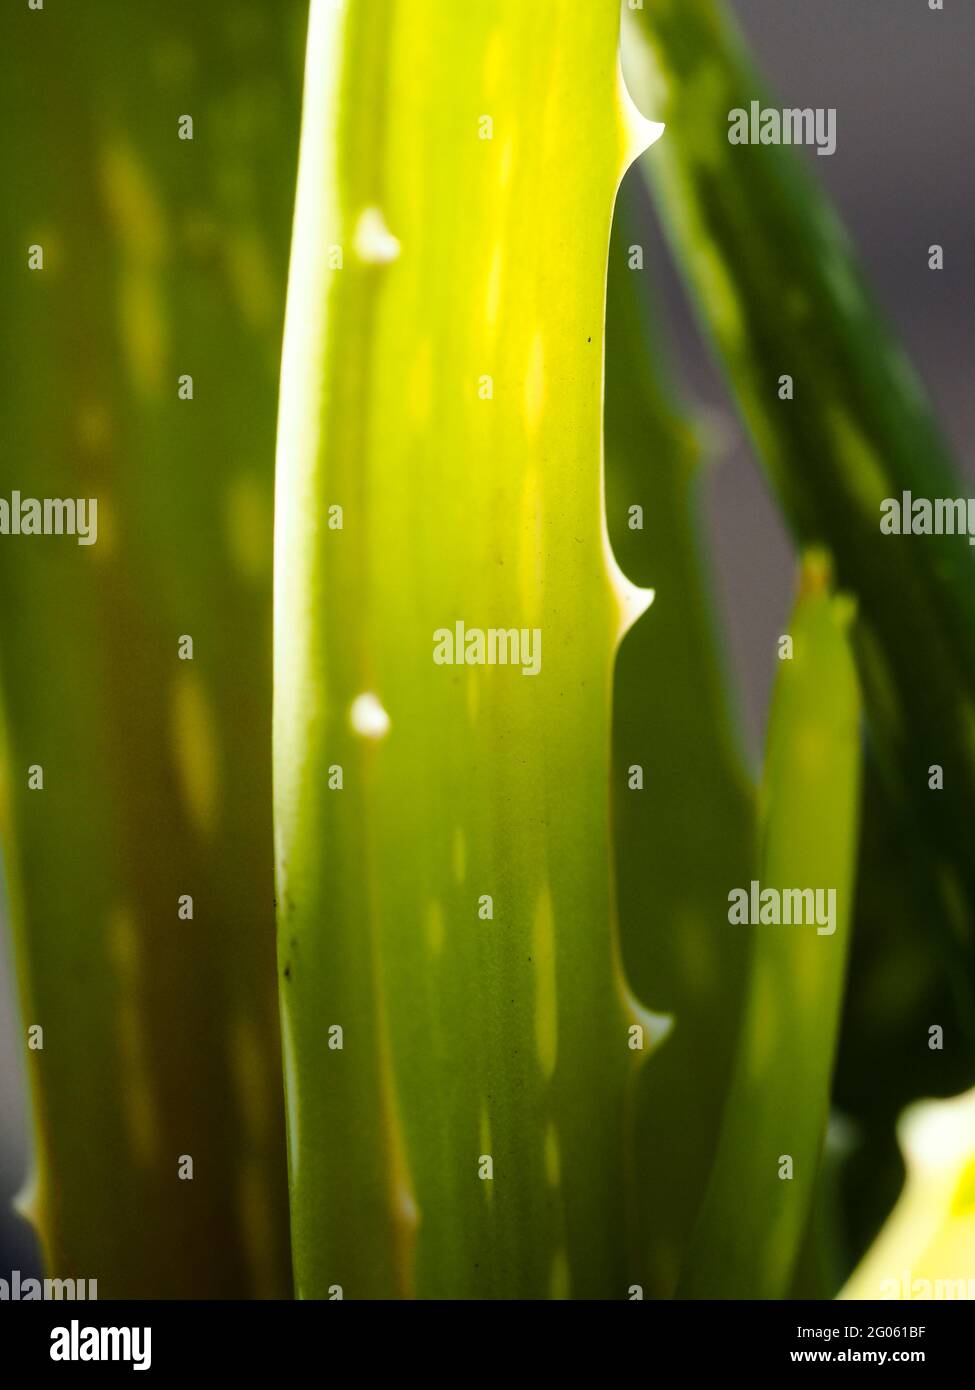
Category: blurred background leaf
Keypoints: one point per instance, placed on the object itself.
(162, 257)
(750, 1229)
(686, 834)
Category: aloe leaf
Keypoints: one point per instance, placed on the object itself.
(163, 257)
(461, 1135)
(779, 290)
(683, 806)
(754, 1216)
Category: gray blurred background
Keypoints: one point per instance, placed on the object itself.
(900, 78)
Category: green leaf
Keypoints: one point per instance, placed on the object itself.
(444, 388)
(751, 1227)
(162, 258)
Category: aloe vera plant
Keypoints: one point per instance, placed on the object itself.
(509, 818)
(162, 260)
(459, 1041)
